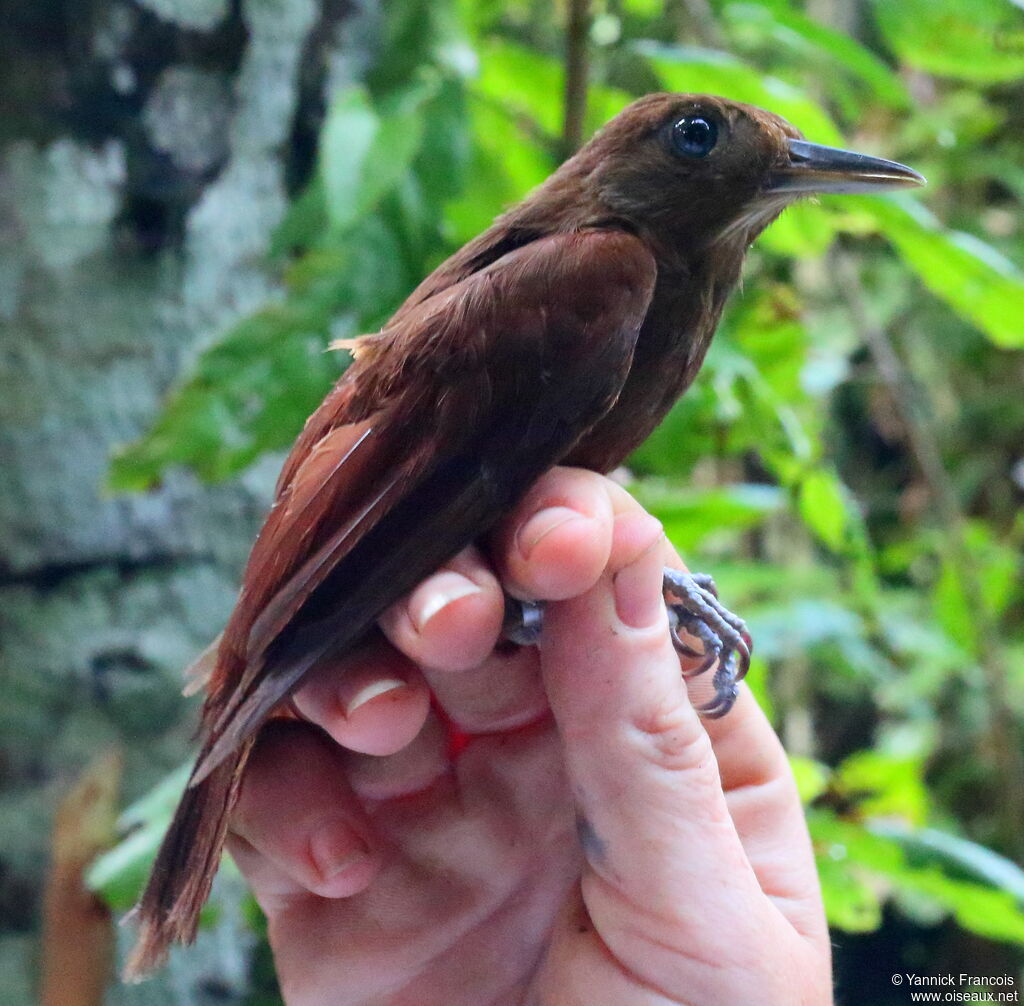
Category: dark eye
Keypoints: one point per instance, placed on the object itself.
(694, 136)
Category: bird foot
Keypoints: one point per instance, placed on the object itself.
(694, 608)
(723, 636)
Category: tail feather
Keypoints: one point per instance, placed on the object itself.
(180, 881)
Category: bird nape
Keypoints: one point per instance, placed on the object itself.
(561, 335)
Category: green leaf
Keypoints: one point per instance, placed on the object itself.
(952, 609)
(644, 8)
(528, 84)
(346, 142)
(989, 913)
(805, 230)
(364, 152)
(252, 391)
(249, 393)
(119, 874)
(885, 785)
(748, 396)
(304, 222)
(971, 276)
(814, 622)
(999, 568)
(812, 777)
(443, 160)
(507, 161)
(690, 515)
(957, 854)
(982, 41)
(814, 44)
(523, 82)
(683, 68)
(859, 862)
(851, 902)
(413, 36)
(823, 507)
(999, 565)
(848, 859)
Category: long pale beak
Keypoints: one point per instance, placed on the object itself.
(814, 168)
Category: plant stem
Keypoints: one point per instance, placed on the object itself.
(577, 68)
(1007, 755)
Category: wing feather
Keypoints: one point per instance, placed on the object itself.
(431, 436)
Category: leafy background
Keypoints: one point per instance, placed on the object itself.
(850, 463)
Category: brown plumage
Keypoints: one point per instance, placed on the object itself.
(563, 334)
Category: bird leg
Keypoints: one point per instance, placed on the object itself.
(523, 621)
(694, 609)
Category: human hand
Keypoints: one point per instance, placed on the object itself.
(595, 842)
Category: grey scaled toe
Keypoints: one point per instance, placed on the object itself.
(523, 621)
(693, 608)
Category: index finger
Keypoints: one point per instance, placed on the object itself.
(761, 794)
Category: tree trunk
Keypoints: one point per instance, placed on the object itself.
(146, 153)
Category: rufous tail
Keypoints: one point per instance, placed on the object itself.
(179, 884)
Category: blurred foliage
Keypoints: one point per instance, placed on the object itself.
(850, 463)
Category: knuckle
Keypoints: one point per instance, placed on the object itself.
(669, 735)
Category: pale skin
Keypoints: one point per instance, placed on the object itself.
(595, 843)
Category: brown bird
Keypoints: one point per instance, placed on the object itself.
(561, 335)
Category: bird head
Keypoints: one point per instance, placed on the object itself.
(693, 170)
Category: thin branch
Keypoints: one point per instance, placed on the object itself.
(577, 69)
(903, 390)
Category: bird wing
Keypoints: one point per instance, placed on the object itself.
(435, 431)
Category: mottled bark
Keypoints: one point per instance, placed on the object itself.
(146, 154)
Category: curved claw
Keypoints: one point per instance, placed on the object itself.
(726, 683)
(682, 649)
(673, 631)
(712, 648)
(705, 665)
(744, 655)
(685, 650)
(723, 701)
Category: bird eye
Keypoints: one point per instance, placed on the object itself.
(694, 136)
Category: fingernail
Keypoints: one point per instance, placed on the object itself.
(437, 593)
(372, 691)
(336, 847)
(540, 525)
(639, 600)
